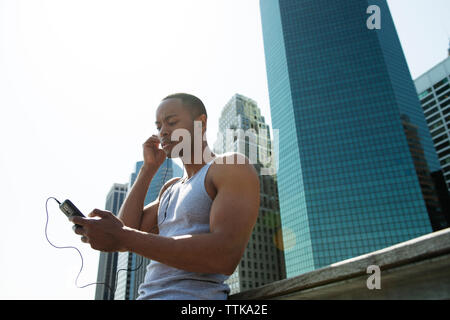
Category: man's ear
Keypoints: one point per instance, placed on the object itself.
(203, 119)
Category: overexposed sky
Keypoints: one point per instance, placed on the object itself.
(79, 83)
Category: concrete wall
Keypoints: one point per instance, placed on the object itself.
(415, 269)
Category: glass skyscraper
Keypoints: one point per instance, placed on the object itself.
(342, 97)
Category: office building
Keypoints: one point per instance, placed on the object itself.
(133, 266)
(433, 90)
(263, 259)
(340, 93)
(107, 267)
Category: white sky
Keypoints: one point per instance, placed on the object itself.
(79, 83)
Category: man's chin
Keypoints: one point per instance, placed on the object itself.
(173, 155)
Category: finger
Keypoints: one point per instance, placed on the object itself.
(151, 144)
(99, 213)
(79, 220)
(152, 139)
(78, 229)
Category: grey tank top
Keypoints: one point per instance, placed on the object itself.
(188, 212)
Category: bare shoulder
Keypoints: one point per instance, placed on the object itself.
(234, 166)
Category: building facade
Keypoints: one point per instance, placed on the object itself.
(263, 259)
(338, 91)
(433, 90)
(107, 267)
(132, 267)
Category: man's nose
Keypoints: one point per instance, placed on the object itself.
(163, 132)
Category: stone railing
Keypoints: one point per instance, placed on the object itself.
(415, 269)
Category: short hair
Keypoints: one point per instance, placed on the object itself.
(194, 104)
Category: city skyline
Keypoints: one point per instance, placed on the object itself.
(90, 91)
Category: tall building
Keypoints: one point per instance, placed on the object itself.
(249, 134)
(339, 91)
(433, 90)
(133, 266)
(107, 267)
(263, 259)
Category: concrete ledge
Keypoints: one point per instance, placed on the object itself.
(415, 269)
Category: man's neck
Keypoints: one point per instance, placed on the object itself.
(193, 166)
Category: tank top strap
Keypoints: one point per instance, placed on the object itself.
(201, 175)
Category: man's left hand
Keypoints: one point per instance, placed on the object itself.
(102, 230)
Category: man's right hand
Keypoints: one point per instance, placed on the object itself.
(153, 155)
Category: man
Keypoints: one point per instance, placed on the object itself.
(197, 229)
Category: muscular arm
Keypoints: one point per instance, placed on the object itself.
(131, 211)
(233, 215)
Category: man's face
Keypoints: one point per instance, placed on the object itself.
(171, 115)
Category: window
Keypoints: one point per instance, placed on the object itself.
(442, 146)
(444, 153)
(442, 90)
(443, 97)
(445, 161)
(429, 113)
(434, 118)
(446, 111)
(446, 103)
(425, 93)
(440, 139)
(432, 103)
(440, 83)
(426, 99)
(436, 125)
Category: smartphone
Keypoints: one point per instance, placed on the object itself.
(70, 210)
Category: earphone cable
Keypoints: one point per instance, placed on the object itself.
(68, 247)
(79, 252)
